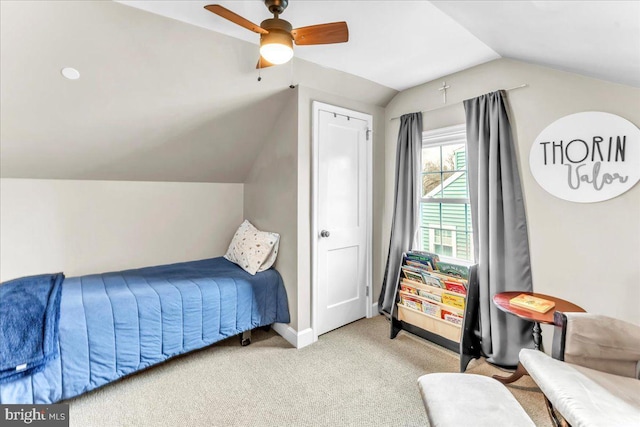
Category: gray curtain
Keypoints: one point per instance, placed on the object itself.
(405, 210)
(500, 237)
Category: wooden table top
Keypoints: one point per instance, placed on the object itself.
(501, 300)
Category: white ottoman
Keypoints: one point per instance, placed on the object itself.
(470, 400)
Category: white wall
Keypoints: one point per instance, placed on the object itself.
(270, 195)
(586, 253)
(83, 227)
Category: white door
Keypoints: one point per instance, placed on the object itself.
(342, 221)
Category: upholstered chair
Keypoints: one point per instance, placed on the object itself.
(593, 375)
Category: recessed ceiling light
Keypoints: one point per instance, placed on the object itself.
(70, 73)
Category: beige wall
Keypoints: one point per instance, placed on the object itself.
(278, 193)
(270, 195)
(586, 253)
(84, 227)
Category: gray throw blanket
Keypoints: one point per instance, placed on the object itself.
(29, 314)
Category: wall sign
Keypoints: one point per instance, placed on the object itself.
(587, 157)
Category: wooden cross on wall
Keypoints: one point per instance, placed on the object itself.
(444, 88)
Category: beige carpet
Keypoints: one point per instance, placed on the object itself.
(353, 376)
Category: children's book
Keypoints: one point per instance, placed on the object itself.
(411, 302)
(416, 264)
(454, 300)
(456, 270)
(429, 295)
(412, 273)
(431, 280)
(449, 278)
(451, 317)
(455, 287)
(530, 302)
(428, 259)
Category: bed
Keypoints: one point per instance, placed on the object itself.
(114, 324)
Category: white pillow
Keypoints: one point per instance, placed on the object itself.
(253, 250)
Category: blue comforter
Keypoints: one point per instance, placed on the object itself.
(114, 324)
(29, 314)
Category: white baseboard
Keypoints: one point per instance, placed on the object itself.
(374, 309)
(295, 338)
(305, 338)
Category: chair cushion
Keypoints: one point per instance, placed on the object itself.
(603, 343)
(470, 400)
(584, 396)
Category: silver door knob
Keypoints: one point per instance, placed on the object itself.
(324, 233)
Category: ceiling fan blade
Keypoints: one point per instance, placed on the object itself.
(235, 18)
(334, 32)
(263, 63)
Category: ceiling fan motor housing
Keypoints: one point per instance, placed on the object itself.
(276, 6)
(279, 31)
(276, 25)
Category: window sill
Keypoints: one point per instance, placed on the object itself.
(459, 261)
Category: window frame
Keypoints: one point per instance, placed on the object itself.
(449, 135)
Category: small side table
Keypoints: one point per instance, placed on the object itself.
(501, 301)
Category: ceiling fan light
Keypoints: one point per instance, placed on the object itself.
(276, 53)
(276, 47)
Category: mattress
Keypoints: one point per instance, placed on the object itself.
(114, 324)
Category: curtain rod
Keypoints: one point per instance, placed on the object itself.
(460, 102)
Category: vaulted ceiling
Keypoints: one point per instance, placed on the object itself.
(172, 95)
(596, 38)
(401, 44)
(157, 99)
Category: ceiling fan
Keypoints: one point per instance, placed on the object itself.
(277, 35)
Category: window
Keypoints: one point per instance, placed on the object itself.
(442, 240)
(445, 213)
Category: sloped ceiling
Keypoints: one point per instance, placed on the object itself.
(160, 99)
(401, 44)
(596, 38)
(157, 100)
(397, 43)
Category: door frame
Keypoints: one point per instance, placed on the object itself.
(317, 107)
